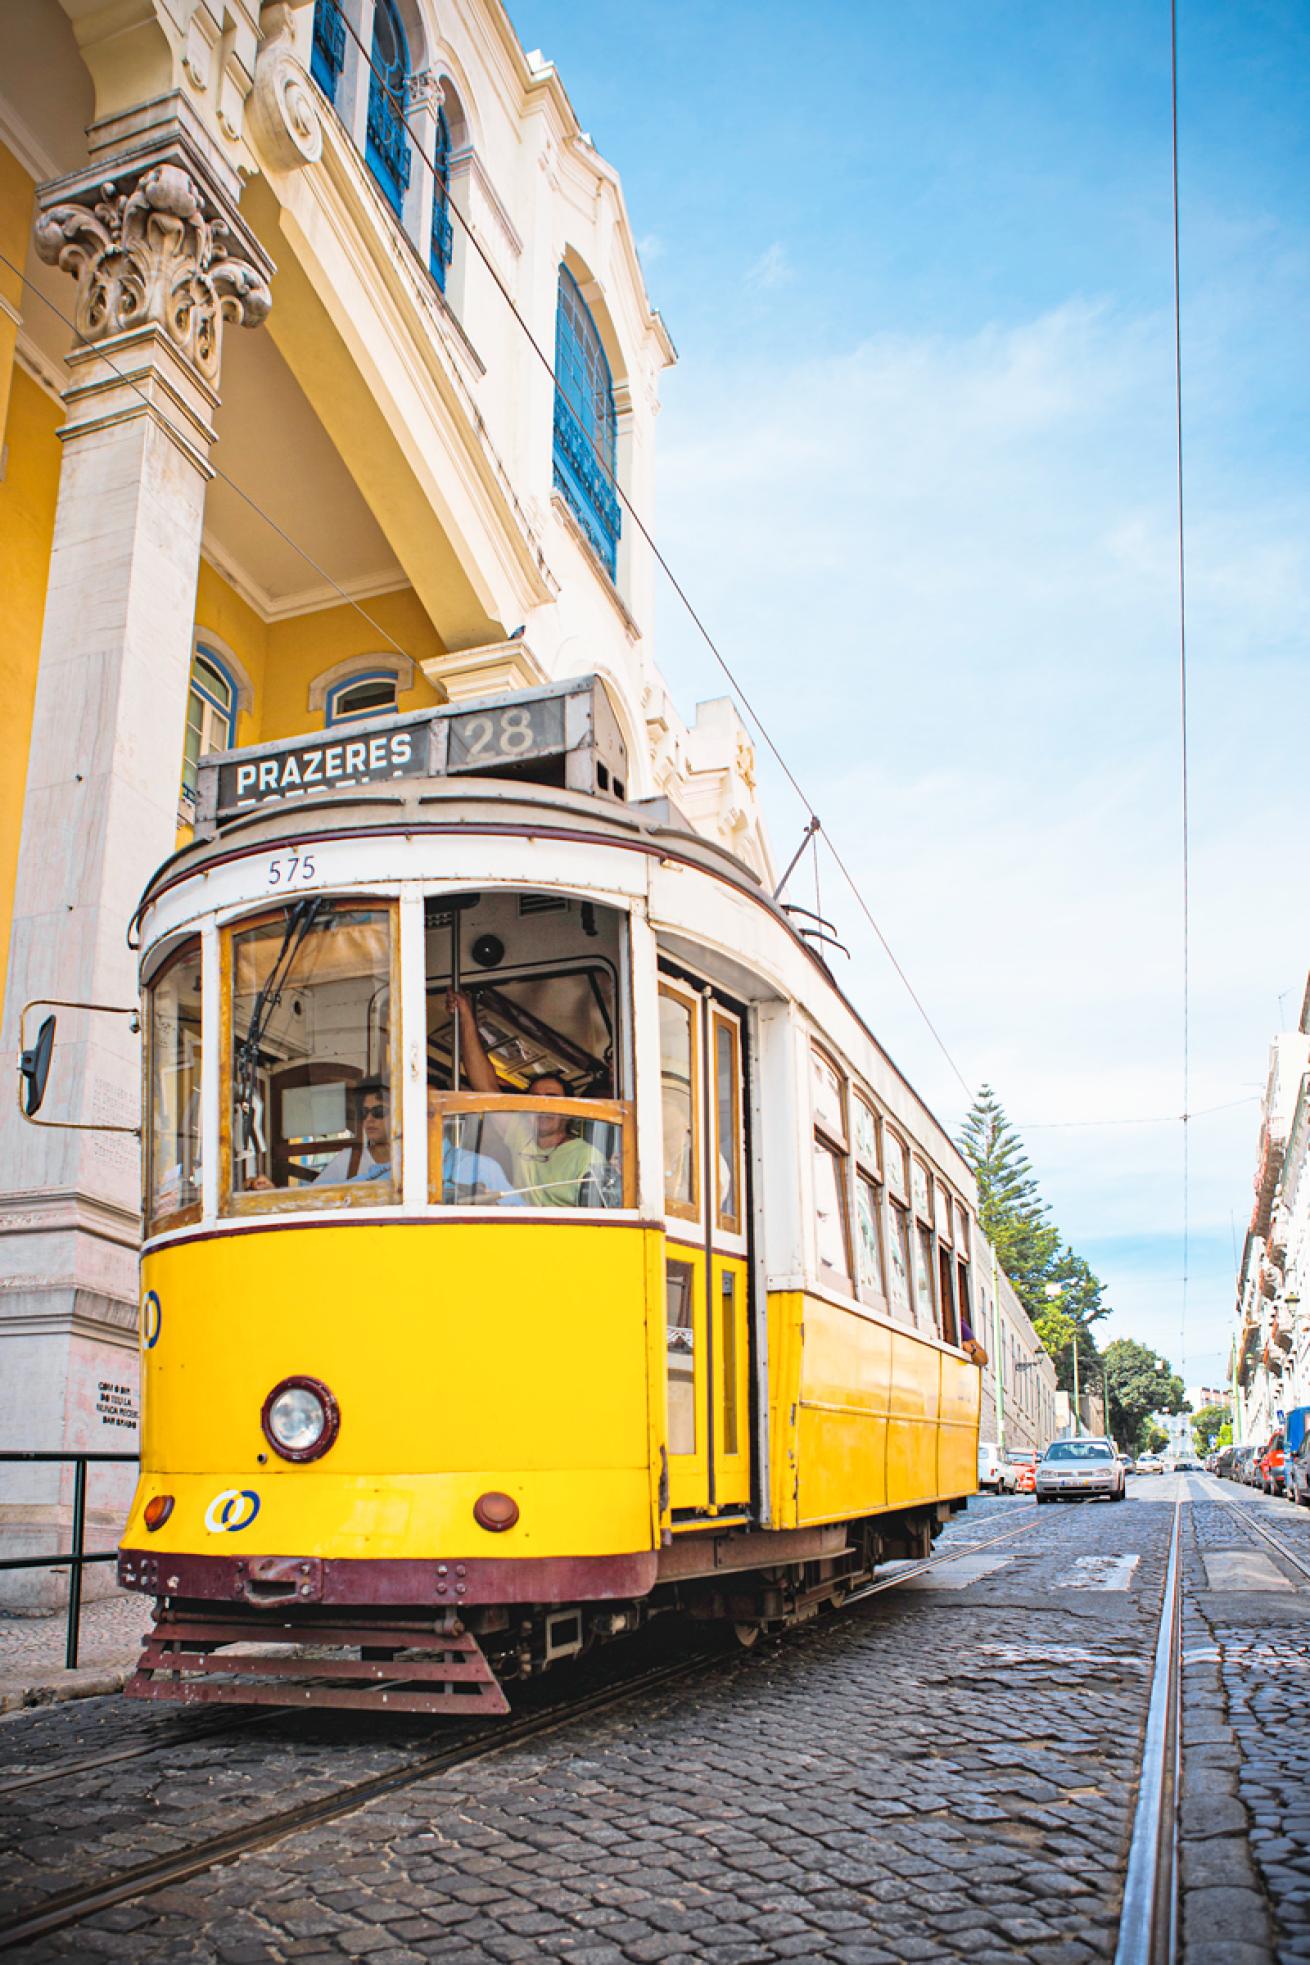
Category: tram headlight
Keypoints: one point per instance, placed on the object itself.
(300, 1418)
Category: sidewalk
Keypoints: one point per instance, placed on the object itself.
(32, 1652)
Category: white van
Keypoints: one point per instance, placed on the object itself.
(993, 1473)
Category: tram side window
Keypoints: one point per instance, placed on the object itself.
(868, 1201)
(175, 1055)
(899, 1256)
(525, 1050)
(680, 1341)
(312, 1112)
(679, 1102)
(827, 1095)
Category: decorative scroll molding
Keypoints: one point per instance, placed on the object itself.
(148, 255)
(282, 111)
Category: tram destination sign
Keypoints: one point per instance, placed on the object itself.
(495, 738)
(293, 770)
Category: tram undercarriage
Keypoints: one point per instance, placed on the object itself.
(271, 1651)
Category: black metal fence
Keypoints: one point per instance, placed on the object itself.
(78, 1555)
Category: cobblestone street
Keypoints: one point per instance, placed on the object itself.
(947, 1769)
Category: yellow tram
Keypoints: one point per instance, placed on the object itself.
(535, 1237)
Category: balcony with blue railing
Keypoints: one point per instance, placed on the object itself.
(586, 485)
(328, 54)
(387, 148)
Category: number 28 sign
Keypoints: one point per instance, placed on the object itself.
(486, 738)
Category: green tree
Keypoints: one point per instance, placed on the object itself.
(1010, 1208)
(1055, 1328)
(1207, 1425)
(1153, 1439)
(1140, 1383)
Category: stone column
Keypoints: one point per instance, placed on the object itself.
(162, 264)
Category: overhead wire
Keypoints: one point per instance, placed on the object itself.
(1185, 788)
(399, 107)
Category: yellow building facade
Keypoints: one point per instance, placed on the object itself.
(279, 450)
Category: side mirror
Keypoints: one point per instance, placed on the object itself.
(34, 1068)
(34, 1064)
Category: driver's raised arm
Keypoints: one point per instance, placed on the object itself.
(473, 1052)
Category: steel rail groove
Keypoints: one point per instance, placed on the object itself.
(71, 1906)
(1148, 1921)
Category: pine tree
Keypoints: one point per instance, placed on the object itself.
(1011, 1211)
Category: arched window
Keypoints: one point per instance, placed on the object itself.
(443, 238)
(211, 716)
(585, 424)
(329, 49)
(372, 694)
(387, 149)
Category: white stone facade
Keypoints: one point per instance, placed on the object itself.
(1271, 1345)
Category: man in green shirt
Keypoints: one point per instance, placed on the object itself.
(553, 1166)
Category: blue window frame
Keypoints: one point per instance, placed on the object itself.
(387, 147)
(443, 237)
(329, 47)
(211, 715)
(370, 694)
(585, 423)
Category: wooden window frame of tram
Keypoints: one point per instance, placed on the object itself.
(614, 1111)
(727, 1224)
(193, 1212)
(842, 1152)
(348, 1196)
(680, 990)
(870, 1171)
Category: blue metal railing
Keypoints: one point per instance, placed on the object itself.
(78, 1555)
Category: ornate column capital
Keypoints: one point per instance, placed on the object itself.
(155, 245)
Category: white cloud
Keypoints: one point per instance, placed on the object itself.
(650, 247)
(770, 271)
(947, 567)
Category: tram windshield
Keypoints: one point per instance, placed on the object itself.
(526, 1058)
(312, 1107)
(173, 1172)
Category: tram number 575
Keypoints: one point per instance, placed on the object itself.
(290, 869)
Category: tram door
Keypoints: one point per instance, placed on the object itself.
(707, 1292)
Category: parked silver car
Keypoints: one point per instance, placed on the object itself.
(1078, 1470)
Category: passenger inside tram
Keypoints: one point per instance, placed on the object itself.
(524, 1007)
(311, 1075)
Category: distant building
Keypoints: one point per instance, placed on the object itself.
(1270, 1356)
(1020, 1401)
(1200, 1396)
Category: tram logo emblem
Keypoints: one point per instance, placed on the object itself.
(152, 1321)
(234, 1508)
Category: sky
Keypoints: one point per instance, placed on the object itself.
(917, 472)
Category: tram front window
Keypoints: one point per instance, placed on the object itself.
(525, 1053)
(173, 1171)
(312, 1110)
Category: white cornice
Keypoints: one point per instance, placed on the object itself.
(47, 375)
(308, 600)
(30, 152)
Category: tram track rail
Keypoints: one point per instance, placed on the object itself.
(1148, 1918)
(72, 1906)
(1249, 1519)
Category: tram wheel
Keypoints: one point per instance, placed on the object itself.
(747, 1635)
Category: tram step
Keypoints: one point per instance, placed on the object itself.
(225, 1659)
